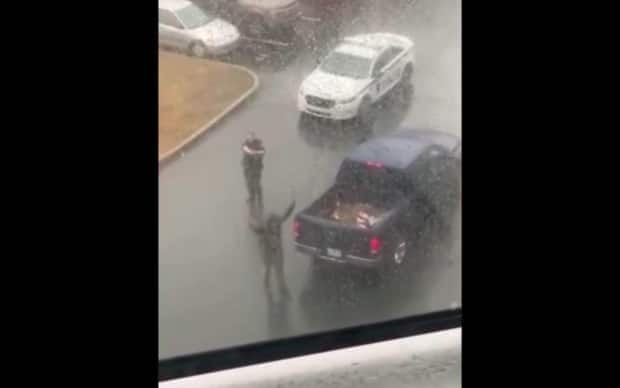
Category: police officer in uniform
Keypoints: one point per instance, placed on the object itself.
(252, 162)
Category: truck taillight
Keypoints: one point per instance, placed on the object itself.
(373, 164)
(296, 229)
(375, 245)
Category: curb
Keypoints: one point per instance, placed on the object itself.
(217, 118)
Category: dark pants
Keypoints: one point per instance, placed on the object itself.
(275, 262)
(252, 181)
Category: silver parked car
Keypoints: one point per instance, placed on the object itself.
(272, 12)
(185, 26)
(268, 12)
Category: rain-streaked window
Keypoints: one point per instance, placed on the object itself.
(310, 166)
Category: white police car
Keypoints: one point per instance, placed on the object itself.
(357, 73)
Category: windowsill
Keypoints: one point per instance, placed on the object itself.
(427, 360)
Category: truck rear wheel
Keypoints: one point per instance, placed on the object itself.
(396, 259)
(400, 252)
(397, 256)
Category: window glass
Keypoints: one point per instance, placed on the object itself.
(392, 52)
(346, 65)
(293, 191)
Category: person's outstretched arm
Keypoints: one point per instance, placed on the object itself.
(288, 211)
(257, 227)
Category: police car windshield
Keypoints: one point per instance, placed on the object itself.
(346, 65)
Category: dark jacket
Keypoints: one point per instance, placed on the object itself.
(253, 164)
(270, 230)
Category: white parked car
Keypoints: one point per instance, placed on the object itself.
(185, 26)
(356, 74)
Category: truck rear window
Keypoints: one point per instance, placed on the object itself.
(372, 180)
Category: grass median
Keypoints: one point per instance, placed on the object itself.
(192, 93)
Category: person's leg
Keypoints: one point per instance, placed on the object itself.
(254, 218)
(256, 187)
(252, 192)
(257, 184)
(281, 281)
(256, 214)
(259, 191)
(267, 274)
(248, 183)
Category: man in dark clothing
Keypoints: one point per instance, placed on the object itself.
(270, 232)
(253, 152)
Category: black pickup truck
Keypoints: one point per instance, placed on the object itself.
(384, 192)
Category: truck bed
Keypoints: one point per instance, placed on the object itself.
(348, 209)
(354, 214)
(341, 227)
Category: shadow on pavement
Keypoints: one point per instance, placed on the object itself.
(333, 135)
(278, 317)
(393, 108)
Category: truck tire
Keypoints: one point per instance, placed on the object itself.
(393, 269)
(399, 252)
(407, 75)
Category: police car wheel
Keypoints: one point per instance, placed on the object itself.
(198, 49)
(407, 75)
(364, 113)
(304, 118)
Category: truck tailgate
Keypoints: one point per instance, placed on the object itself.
(331, 238)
